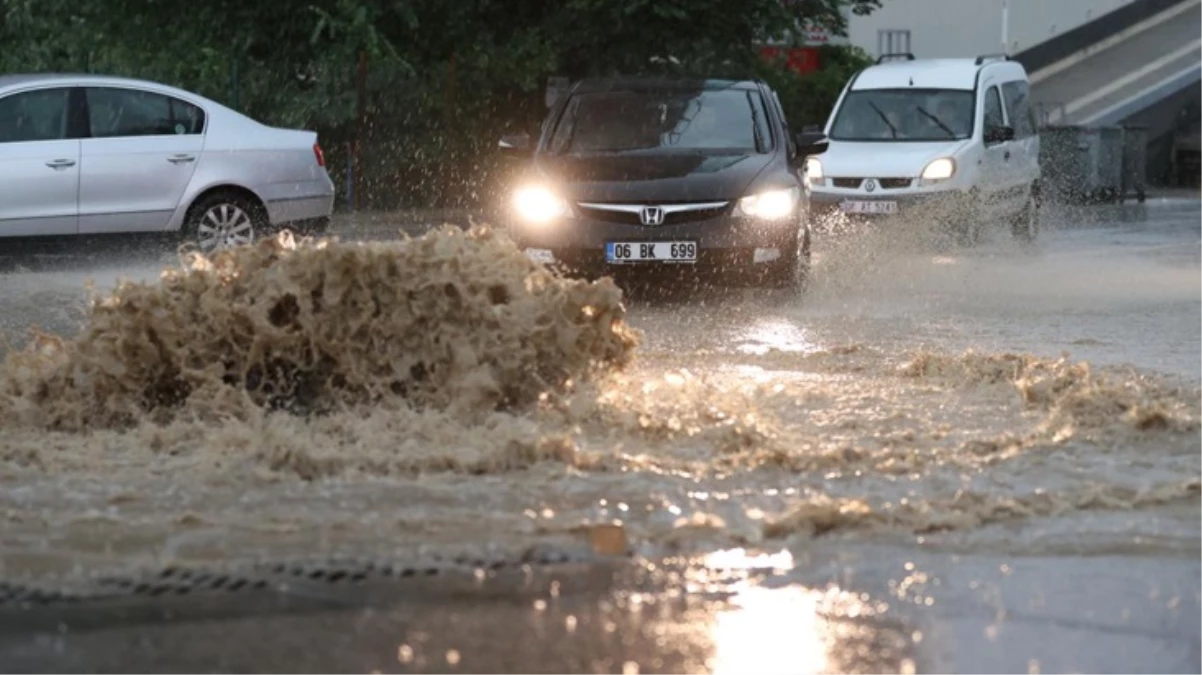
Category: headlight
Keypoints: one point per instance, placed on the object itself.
(813, 172)
(539, 205)
(769, 205)
(940, 169)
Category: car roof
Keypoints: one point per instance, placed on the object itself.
(932, 74)
(658, 82)
(17, 80)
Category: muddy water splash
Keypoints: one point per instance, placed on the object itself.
(530, 423)
(447, 321)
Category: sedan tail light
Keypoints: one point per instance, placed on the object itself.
(321, 156)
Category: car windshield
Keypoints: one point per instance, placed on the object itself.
(904, 115)
(718, 121)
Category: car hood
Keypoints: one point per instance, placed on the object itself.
(846, 159)
(662, 178)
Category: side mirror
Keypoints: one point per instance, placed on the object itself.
(517, 144)
(811, 143)
(999, 134)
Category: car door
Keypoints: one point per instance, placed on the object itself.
(996, 154)
(141, 154)
(39, 164)
(1024, 160)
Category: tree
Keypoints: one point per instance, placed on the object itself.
(444, 77)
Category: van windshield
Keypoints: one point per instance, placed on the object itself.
(708, 121)
(904, 115)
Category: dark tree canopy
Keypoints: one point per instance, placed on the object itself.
(443, 76)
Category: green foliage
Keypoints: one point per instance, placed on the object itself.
(444, 78)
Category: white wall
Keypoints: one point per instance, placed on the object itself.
(963, 28)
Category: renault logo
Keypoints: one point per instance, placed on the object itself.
(652, 215)
(869, 185)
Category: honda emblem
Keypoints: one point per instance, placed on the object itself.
(652, 215)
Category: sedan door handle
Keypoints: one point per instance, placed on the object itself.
(60, 163)
(180, 159)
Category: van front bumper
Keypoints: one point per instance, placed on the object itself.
(949, 204)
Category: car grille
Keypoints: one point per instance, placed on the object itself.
(627, 217)
(886, 183)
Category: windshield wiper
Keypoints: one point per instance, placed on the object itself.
(936, 120)
(884, 118)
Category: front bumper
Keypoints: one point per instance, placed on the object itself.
(949, 204)
(724, 243)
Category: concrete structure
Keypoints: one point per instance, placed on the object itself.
(960, 28)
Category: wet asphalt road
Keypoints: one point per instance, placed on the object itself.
(1110, 286)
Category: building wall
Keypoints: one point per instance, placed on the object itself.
(962, 28)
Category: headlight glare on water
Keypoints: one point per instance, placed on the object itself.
(537, 204)
(771, 204)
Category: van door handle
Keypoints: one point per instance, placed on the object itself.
(1006, 156)
(60, 163)
(181, 159)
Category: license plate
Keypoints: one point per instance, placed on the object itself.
(618, 252)
(869, 207)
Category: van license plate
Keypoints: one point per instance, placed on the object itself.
(618, 252)
(869, 207)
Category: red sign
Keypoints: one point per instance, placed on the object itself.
(800, 60)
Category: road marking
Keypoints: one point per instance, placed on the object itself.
(1179, 75)
(1102, 45)
(1128, 79)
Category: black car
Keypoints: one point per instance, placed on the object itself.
(665, 173)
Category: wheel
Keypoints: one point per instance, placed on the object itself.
(1141, 196)
(965, 224)
(1025, 225)
(792, 271)
(224, 220)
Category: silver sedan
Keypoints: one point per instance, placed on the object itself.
(88, 155)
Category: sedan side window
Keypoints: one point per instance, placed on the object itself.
(116, 112)
(39, 115)
(186, 118)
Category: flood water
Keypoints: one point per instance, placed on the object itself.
(1001, 445)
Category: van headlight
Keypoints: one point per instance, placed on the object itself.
(538, 205)
(770, 204)
(938, 170)
(813, 172)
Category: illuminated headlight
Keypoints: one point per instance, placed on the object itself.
(539, 205)
(769, 205)
(939, 170)
(813, 172)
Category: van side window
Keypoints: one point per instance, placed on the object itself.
(993, 109)
(1018, 103)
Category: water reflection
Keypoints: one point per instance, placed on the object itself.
(779, 334)
(768, 623)
(771, 630)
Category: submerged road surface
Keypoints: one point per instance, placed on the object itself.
(981, 460)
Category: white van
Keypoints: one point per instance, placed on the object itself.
(955, 138)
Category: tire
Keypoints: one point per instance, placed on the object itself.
(792, 271)
(964, 229)
(223, 220)
(1025, 225)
